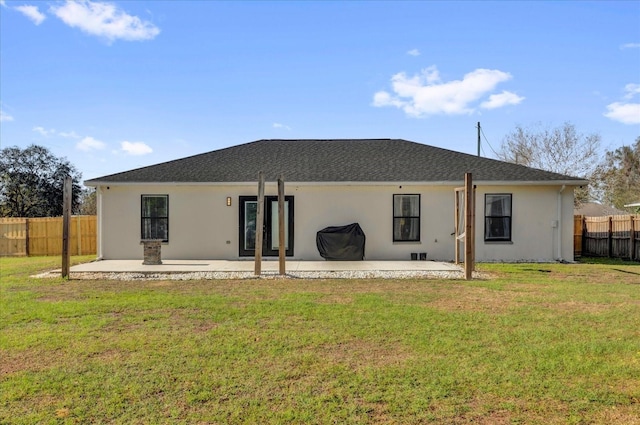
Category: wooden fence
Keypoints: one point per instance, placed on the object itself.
(614, 236)
(43, 236)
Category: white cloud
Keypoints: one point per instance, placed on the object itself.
(425, 94)
(135, 148)
(2, 3)
(414, 52)
(104, 20)
(4, 117)
(89, 143)
(632, 90)
(630, 46)
(278, 125)
(32, 13)
(502, 99)
(69, 134)
(626, 113)
(44, 132)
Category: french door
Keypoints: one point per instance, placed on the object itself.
(247, 228)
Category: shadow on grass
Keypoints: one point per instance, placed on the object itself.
(607, 261)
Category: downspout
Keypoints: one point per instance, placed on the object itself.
(560, 223)
(99, 223)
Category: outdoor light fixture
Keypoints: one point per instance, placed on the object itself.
(228, 201)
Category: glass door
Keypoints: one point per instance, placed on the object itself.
(248, 207)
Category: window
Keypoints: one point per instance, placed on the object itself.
(155, 217)
(497, 217)
(406, 218)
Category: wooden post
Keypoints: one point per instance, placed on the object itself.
(473, 229)
(632, 235)
(66, 219)
(610, 238)
(79, 235)
(456, 227)
(26, 235)
(583, 246)
(259, 224)
(468, 226)
(282, 246)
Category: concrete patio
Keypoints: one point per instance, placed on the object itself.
(268, 266)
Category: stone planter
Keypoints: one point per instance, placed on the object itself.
(152, 252)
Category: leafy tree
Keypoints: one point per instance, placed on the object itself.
(619, 176)
(88, 202)
(561, 150)
(32, 182)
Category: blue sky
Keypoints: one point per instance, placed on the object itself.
(118, 85)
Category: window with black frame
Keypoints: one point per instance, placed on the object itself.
(406, 218)
(497, 217)
(155, 217)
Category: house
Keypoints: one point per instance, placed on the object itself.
(594, 209)
(400, 192)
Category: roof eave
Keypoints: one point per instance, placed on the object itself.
(96, 183)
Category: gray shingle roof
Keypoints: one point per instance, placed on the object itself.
(352, 160)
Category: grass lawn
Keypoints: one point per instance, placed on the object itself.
(532, 344)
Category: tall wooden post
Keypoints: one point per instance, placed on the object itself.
(259, 224)
(456, 226)
(458, 230)
(282, 245)
(66, 221)
(469, 227)
(473, 231)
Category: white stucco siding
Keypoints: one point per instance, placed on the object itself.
(200, 222)
(202, 226)
(372, 208)
(535, 225)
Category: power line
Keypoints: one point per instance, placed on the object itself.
(487, 140)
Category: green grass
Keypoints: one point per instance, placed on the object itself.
(531, 344)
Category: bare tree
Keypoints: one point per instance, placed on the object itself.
(561, 150)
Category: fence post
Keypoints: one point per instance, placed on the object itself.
(78, 233)
(610, 238)
(26, 235)
(584, 236)
(632, 237)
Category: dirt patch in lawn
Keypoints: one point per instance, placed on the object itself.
(464, 298)
(26, 361)
(358, 354)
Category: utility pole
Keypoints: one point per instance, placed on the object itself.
(478, 138)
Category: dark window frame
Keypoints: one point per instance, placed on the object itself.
(488, 218)
(266, 240)
(144, 218)
(404, 217)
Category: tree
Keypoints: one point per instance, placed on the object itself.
(561, 150)
(619, 176)
(88, 202)
(32, 182)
